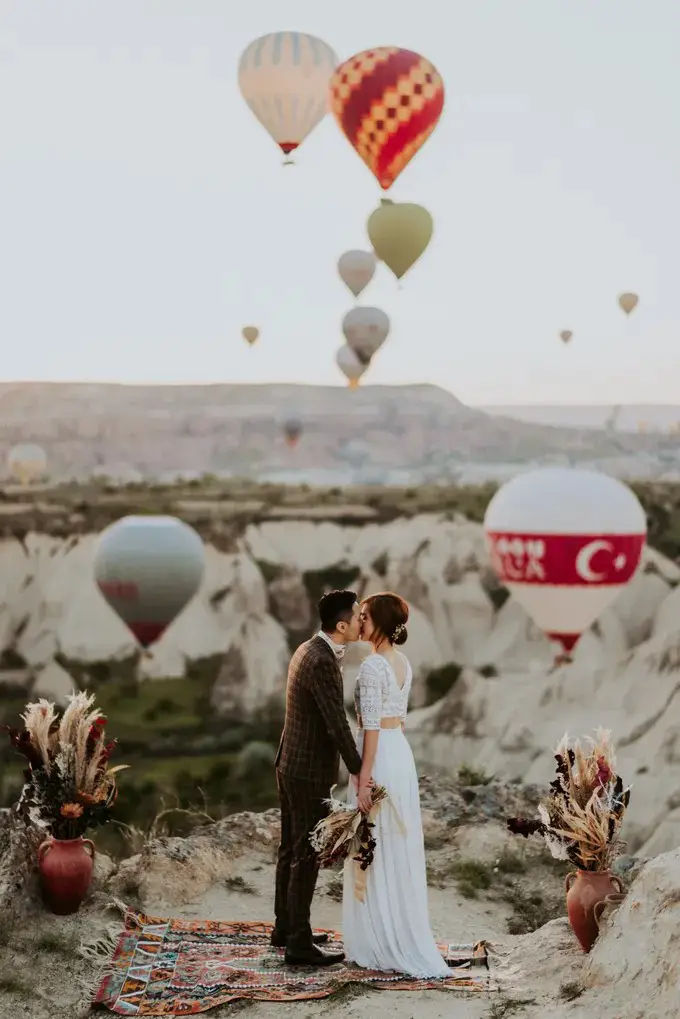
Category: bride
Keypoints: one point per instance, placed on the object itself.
(390, 929)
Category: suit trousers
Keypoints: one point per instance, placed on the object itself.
(297, 866)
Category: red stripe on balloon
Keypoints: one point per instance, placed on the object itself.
(425, 120)
(147, 633)
(372, 88)
(567, 640)
(122, 590)
(565, 560)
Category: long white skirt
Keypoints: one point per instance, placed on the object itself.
(390, 930)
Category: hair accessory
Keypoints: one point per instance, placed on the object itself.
(398, 630)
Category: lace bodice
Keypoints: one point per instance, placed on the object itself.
(377, 694)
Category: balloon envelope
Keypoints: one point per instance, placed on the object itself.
(566, 335)
(284, 79)
(565, 541)
(628, 302)
(357, 269)
(365, 329)
(387, 102)
(27, 462)
(292, 429)
(250, 334)
(148, 569)
(350, 365)
(399, 233)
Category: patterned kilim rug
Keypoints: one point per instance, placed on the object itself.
(172, 967)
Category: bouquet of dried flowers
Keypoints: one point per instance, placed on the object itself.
(347, 833)
(69, 786)
(581, 817)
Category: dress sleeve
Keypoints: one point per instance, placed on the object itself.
(370, 695)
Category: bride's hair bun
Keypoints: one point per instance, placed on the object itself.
(400, 635)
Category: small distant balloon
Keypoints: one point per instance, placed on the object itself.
(284, 78)
(27, 462)
(399, 232)
(292, 430)
(350, 366)
(357, 269)
(250, 334)
(387, 101)
(365, 329)
(628, 302)
(148, 568)
(566, 335)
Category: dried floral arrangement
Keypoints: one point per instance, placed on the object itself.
(68, 785)
(346, 833)
(580, 820)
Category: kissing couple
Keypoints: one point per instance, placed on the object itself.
(390, 929)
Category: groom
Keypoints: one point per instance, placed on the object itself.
(315, 735)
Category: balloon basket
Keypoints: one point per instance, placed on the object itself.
(288, 162)
(560, 660)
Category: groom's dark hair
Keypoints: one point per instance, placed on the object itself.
(336, 607)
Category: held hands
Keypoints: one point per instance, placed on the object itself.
(364, 790)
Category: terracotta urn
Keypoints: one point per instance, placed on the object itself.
(588, 893)
(65, 867)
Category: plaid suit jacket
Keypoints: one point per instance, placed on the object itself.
(316, 732)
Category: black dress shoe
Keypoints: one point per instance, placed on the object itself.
(278, 940)
(311, 956)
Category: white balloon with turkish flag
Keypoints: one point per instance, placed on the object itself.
(565, 541)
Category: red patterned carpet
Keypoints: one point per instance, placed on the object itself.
(172, 967)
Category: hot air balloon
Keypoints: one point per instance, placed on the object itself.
(565, 541)
(350, 365)
(628, 302)
(292, 430)
(566, 335)
(357, 269)
(284, 78)
(148, 569)
(365, 329)
(387, 102)
(399, 233)
(27, 462)
(250, 334)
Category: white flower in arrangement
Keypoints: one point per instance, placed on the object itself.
(36, 816)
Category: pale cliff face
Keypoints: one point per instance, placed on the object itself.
(257, 602)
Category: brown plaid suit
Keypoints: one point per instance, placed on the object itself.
(315, 735)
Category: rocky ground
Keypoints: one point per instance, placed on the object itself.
(484, 884)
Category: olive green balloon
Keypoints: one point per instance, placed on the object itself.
(399, 233)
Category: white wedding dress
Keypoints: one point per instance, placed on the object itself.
(390, 929)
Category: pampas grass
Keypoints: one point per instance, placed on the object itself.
(581, 819)
(346, 832)
(69, 784)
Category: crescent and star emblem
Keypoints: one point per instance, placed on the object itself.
(584, 560)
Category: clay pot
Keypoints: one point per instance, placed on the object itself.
(65, 867)
(604, 910)
(587, 895)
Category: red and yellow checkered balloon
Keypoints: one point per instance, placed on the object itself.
(388, 102)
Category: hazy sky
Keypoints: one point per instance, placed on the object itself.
(145, 215)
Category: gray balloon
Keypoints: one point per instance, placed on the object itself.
(148, 569)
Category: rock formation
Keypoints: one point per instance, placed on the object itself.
(485, 692)
(134, 432)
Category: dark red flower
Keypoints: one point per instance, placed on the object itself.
(523, 826)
